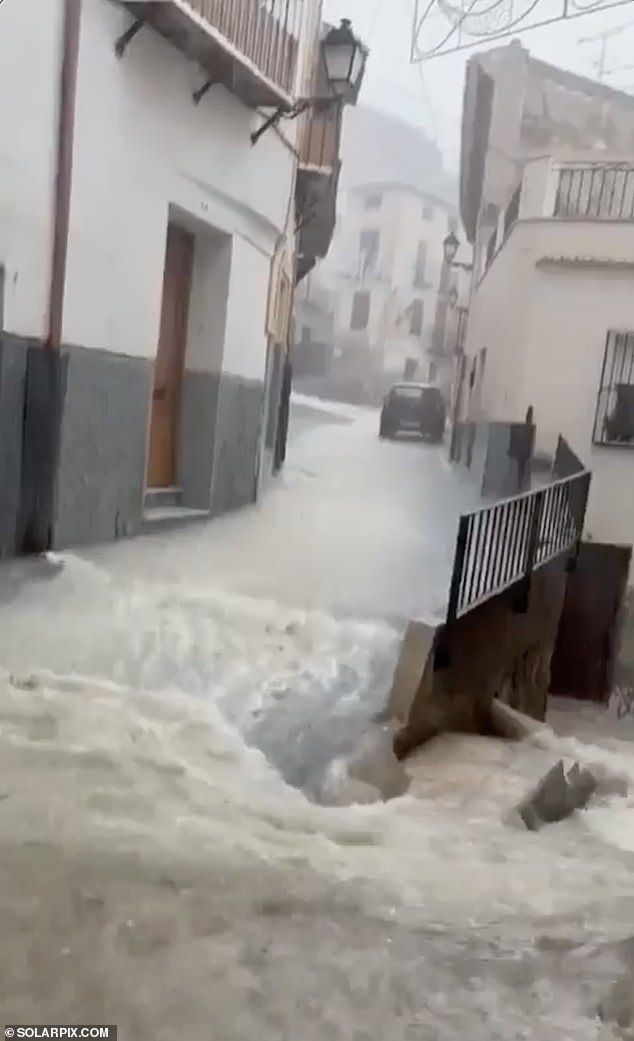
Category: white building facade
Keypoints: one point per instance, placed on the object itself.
(551, 323)
(179, 238)
(384, 270)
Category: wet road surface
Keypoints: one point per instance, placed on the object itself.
(157, 871)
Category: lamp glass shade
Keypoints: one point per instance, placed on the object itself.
(344, 59)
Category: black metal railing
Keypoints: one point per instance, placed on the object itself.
(501, 545)
(604, 191)
(512, 211)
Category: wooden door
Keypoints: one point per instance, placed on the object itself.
(583, 661)
(170, 358)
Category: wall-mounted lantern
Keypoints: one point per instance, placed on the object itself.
(344, 57)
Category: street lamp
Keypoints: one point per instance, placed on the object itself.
(344, 58)
(450, 247)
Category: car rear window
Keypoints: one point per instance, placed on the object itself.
(430, 395)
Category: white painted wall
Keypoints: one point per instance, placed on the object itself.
(246, 312)
(141, 146)
(30, 48)
(206, 329)
(544, 326)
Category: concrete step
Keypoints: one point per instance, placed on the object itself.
(159, 497)
(168, 518)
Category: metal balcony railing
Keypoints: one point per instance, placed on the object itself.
(602, 191)
(249, 46)
(264, 31)
(501, 545)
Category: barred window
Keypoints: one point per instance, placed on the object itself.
(614, 418)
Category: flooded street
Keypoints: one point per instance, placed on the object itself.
(169, 712)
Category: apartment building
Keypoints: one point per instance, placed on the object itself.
(563, 252)
(139, 210)
(387, 262)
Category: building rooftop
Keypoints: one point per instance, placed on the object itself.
(606, 121)
(404, 186)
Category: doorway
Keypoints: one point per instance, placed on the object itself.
(170, 358)
(583, 661)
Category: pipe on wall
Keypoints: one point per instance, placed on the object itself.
(64, 171)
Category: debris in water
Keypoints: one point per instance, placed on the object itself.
(557, 795)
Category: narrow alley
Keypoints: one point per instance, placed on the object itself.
(158, 871)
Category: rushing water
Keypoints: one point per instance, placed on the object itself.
(156, 869)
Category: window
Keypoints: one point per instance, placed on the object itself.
(428, 211)
(373, 201)
(369, 241)
(404, 393)
(419, 267)
(614, 417)
(416, 318)
(360, 315)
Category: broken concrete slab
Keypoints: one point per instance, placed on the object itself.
(558, 795)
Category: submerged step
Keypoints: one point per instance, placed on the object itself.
(163, 497)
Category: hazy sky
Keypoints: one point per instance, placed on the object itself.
(430, 94)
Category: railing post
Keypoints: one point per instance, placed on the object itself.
(584, 490)
(523, 593)
(441, 652)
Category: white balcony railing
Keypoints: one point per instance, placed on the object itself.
(597, 191)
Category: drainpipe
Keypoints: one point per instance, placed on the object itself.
(63, 176)
(46, 369)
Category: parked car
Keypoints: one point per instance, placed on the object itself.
(414, 407)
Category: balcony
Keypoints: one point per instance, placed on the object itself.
(588, 205)
(597, 191)
(248, 46)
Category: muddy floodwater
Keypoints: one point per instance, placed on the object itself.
(166, 865)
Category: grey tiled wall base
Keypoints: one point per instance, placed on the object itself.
(199, 407)
(13, 354)
(44, 401)
(238, 426)
(103, 436)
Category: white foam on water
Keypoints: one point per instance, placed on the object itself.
(220, 894)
